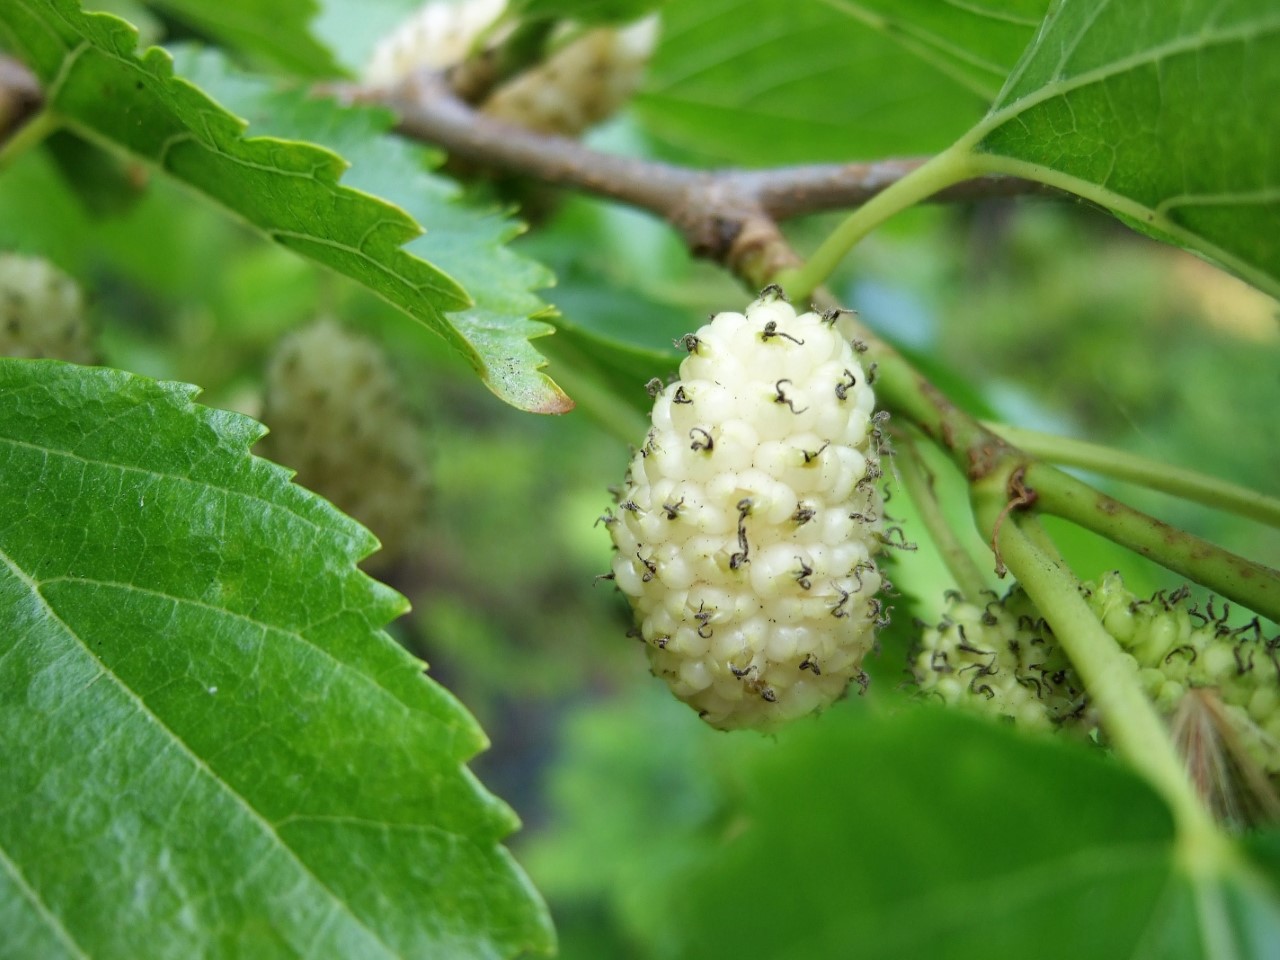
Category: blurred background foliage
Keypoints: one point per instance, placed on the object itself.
(1041, 312)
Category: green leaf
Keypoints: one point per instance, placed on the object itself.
(584, 11)
(930, 834)
(210, 746)
(290, 190)
(766, 82)
(468, 241)
(1164, 113)
(275, 30)
(106, 184)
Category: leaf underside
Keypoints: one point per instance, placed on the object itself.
(763, 82)
(210, 747)
(1166, 113)
(290, 191)
(897, 850)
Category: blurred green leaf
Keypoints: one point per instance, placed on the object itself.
(211, 748)
(290, 189)
(930, 834)
(585, 11)
(104, 183)
(766, 82)
(1164, 113)
(277, 31)
(352, 28)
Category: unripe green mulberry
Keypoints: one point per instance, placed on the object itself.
(1002, 660)
(336, 416)
(41, 312)
(1178, 647)
(747, 528)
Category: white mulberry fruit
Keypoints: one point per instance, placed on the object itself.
(438, 35)
(42, 312)
(585, 78)
(337, 417)
(750, 518)
(582, 83)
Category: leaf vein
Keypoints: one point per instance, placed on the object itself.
(42, 908)
(196, 760)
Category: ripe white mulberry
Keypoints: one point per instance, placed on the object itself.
(42, 312)
(336, 415)
(586, 77)
(748, 524)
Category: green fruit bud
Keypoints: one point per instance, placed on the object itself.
(337, 417)
(42, 312)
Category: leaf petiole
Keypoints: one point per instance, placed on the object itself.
(949, 167)
(1131, 721)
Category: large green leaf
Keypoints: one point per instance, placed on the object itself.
(210, 747)
(275, 30)
(290, 191)
(1166, 113)
(766, 82)
(940, 836)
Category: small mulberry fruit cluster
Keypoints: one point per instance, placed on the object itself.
(1000, 659)
(588, 75)
(336, 415)
(747, 529)
(42, 313)
(1177, 647)
(1003, 659)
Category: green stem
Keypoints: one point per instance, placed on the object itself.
(978, 453)
(1131, 721)
(28, 136)
(1152, 474)
(1033, 529)
(943, 170)
(918, 481)
(1251, 584)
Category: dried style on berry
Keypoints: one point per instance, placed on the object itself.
(747, 527)
(336, 416)
(42, 313)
